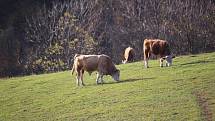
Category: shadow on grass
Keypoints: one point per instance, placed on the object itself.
(196, 62)
(129, 80)
(193, 56)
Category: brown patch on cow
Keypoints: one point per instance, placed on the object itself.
(204, 105)
(155, 47)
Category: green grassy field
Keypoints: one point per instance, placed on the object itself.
(185, 91)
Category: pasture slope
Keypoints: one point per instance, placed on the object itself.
(185, 91)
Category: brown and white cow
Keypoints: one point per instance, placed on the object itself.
(159, 48)
(90, 63)
(128, 55)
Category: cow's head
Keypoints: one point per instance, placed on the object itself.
(168, 59)
(123, 61)
(116, 75)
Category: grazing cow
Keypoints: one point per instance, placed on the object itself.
(159, 48)
(128, 55)
(100, 63)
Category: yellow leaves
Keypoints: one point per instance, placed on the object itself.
(89, 40)
(66, 20)
(119, 20)
(38, 61)
(67, 14)
(54, 49)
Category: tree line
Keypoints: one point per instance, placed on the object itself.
(49, 35)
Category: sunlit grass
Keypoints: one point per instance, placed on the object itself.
(169, 93)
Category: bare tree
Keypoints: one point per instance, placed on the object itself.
(54, 36)
(108, 26)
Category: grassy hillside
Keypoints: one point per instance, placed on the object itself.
(185, 91)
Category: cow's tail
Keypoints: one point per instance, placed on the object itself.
(73, 66)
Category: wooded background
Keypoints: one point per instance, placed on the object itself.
(40, 36)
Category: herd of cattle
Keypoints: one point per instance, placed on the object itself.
(104, 66)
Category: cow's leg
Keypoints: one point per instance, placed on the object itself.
(146, 63)
(146, 56)
(81, 77)
(77, 78)
(97, 79)
(126, 61)
(101, 76)
(131, 58)
(161, 62)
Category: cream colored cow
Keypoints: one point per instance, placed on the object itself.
(129, 55)
(90, 63)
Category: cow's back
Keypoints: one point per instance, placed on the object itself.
(161, 47)
(157, 46)
(88, 62)
(129, 53)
